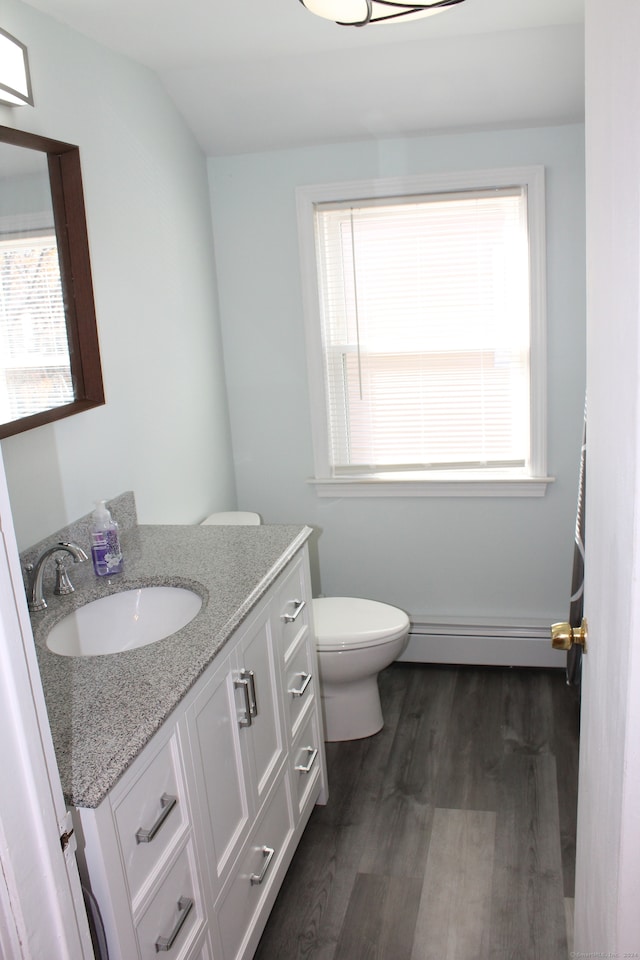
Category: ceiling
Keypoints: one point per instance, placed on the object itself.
(252, 75)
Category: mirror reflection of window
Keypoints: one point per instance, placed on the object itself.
(49, 351)
(35, 372)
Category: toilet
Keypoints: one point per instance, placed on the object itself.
(241, 517)
(356, 639)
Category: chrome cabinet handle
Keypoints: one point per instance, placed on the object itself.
(185, 905)
(243, 683)
(299, 606)
(257, 878)
(167, 803)
(253, 701)
(298, 691)
(306, 767)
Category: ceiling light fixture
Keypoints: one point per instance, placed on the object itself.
(358, 13)
(15, 80)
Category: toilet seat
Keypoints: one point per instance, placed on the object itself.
(346, 623)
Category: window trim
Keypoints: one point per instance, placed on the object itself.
(495, 483)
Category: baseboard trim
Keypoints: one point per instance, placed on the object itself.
(513, 644)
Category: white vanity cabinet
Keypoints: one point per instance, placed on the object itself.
(187, 852)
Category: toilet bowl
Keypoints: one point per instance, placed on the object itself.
(356, 639)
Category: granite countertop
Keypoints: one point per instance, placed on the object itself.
(104, 709)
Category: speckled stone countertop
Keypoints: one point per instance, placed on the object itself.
(104, 709)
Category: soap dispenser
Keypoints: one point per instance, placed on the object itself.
(105, 542)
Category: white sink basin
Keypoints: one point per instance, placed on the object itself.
(123, 621)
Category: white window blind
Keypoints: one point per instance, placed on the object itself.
(35, 371)
(425, 321)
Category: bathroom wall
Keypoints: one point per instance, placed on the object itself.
(164, 431)
(474, 560)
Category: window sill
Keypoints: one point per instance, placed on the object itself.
(475, 486)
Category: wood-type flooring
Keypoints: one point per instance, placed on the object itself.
(449, 835)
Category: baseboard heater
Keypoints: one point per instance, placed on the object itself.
(502, 643)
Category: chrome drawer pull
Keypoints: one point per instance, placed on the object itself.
(299, 606)
(298, 691)
(253, 702)
(185, 905)
(257, 878)
(306, 767)
(167, 803)
(243, 683)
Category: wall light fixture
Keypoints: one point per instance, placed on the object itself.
(15, 80)
(358, 13)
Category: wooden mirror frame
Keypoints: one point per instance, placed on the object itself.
(67, 198)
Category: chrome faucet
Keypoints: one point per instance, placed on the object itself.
(35, 597)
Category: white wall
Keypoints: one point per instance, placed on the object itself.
(434, 557)
(164, 431)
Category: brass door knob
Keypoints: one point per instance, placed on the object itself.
(563, 635)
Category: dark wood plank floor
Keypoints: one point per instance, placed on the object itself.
(450, 835)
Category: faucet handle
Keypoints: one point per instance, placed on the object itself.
(35, 597)
(63, 585)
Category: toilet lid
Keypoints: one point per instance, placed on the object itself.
(345, 622)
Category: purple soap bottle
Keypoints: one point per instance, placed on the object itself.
(105, 542)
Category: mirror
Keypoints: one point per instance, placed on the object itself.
(49, 352)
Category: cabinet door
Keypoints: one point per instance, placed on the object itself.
(263, 738)
(218, 769)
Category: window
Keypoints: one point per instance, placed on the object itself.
(425, 332)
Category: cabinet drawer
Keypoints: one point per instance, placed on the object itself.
(151, 817)
(305, 760)
(173, 920)
(299, 686)
(252, 878)
(292, 607)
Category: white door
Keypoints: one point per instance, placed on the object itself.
(41, 908)
(607, 917)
